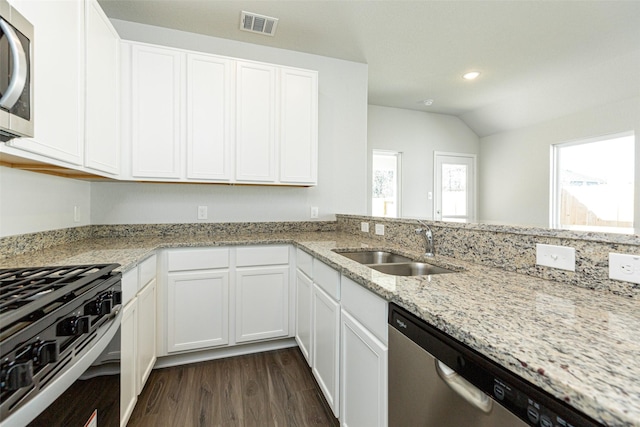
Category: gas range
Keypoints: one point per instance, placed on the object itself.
(50, 317)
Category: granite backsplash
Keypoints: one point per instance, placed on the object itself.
(511, 248)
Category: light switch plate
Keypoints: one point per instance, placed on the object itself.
(380, 229)
(624, 267)
(202, 212)
(364, 227)
(562, 257)
(314, 212)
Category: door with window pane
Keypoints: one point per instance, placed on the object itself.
(454, 187)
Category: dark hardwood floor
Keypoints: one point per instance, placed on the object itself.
(274, 388)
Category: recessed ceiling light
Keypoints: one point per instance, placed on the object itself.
(426, 102)
(471, 75)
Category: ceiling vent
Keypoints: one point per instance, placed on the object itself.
(260, 24)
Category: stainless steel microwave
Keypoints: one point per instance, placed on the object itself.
(16, 74)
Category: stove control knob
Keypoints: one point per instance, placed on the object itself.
(99, 307)
(75, 325)
(117, 297)
(46, 352)
(17, 375)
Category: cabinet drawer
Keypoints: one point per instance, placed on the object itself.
(146, 271)
(327, 278)
(367, 307)
(129, 285)
(304, 262)
(262, 255)
(197, 259)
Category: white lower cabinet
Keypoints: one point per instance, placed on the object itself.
(198, 304)
(304, 287)
(128, 352)
(137, 333)
(262, 303)
(364, 376)
(326, 346)
(224, 296)
(146, 341)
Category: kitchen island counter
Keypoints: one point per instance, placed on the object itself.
(579, 345)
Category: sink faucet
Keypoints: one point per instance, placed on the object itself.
(427, 234)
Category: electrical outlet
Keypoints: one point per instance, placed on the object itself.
(562, 257)
(76, 214)
(202, 212)
(364, 227)
(314, 212)
(380, 229)
(624, 267)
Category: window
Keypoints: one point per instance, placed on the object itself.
(592, 184)
(386, 184)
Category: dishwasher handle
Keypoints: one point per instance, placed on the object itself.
(464, 388)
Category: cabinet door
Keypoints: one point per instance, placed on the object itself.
(209, 103)
(146, 356)
(364, 376)
(262, 303)
(198, 310)
(326, 346)
(304, 288)
(255, 122)
(156, 77)
(58, 73)
(128, 336)
(102, 135)
(298, 126)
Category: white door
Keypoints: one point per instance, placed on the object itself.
(102, 132)
(304, 287)
(326, 346)
(128, 354)
(209, 92)
(198, 306)
(156, 77)
(364, 376)
(454, 187)
(262, 303)
(146, 340)
(255, 122)
(298, 126)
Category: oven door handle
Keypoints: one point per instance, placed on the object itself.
(464, 388)
(19, 69)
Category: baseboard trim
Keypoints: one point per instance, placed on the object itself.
(220, 353)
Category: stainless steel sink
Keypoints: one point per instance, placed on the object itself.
(394, 264)
(410, 269)
(374, 257)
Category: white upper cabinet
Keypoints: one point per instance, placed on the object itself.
(195, 117)
(156, 87)
(298, 126)
(102, 112)
(255, 122)
(209, 115)
(58, 75)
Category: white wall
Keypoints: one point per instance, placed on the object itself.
(514, 170)
(417, 135)
(32, 202)
(342, 149)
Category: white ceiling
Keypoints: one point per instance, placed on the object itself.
(539, 59)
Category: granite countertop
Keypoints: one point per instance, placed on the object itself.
(579, 345)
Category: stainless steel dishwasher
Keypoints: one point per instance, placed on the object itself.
(436, 381)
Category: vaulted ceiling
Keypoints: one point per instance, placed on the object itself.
(538, 59)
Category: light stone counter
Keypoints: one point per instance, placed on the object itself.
(580, 345)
